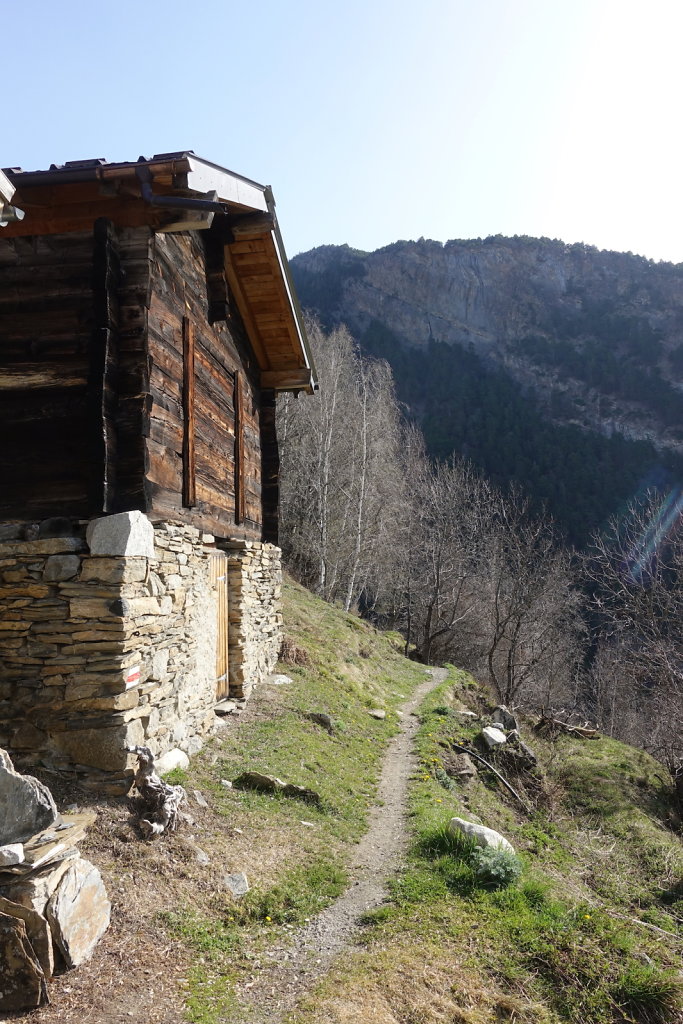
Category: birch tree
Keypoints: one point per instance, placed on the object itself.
(341, 472)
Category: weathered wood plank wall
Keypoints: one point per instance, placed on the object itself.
(73, 311)
(179, 290)
(94, 415)
(46, 323)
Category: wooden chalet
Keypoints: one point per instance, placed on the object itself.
(147, 322)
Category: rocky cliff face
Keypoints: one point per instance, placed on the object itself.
(596, 337)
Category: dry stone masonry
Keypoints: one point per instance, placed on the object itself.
(108, 639)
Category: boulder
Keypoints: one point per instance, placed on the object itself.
(493, 737)
(280, 680)
(526, 752)
(504, 719)
(126, 533)
(173, 759)
(22, 981)
(79, 912)
(482, 835)
(377, 713)
(26, 805)
(320, 718)
(237, 883)
(464, 766)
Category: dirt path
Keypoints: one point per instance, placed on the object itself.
(290, 970)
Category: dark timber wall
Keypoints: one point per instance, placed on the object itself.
(72, 372)
(127, 382)
(224, 469)
(46, 322)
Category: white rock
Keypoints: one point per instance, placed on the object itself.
(26, 805)
(280, 680)
(482, 835)
(175, 758)
(493, 737)
(378, 713)
(226, 783)
(237, 883)
(13, 853)
(126, 533)
(160, 664)
(79, 912)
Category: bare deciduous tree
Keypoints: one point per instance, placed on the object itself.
(635, 571)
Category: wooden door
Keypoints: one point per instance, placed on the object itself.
(218, 563)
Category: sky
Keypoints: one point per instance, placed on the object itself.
(375, 120)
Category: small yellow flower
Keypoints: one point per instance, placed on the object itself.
(439, 801)
(269, 919)
(586, 917)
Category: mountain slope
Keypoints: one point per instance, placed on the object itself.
(560, 367)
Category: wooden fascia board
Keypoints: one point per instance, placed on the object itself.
(288, 380)
(6, 189)
(204, 176)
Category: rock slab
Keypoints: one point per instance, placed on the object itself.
(26, 805)
(79, 912)
(270, 783)
(37, 932)
(482, 835)
(22, 981)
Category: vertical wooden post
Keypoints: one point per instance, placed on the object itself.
(238, 402)
(218, 568)
(270, 467)
(102, 373)
(189, 478)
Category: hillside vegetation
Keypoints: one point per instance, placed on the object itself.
(555, 366)
(591, 932)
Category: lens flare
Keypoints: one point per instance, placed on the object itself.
(641, 555)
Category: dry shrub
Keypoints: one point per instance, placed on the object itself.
(292, 654)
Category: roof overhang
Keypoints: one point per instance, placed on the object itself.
(8, 213)
(71, 197)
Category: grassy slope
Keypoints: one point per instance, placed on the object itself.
(294, 869)
(555, 946)
(442, 950)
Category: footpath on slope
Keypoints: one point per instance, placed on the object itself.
(274, 990)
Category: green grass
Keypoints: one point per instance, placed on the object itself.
(557, 945)
(549, 947)
(294, 870)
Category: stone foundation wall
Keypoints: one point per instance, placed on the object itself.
(110, 643)
(254, 589)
